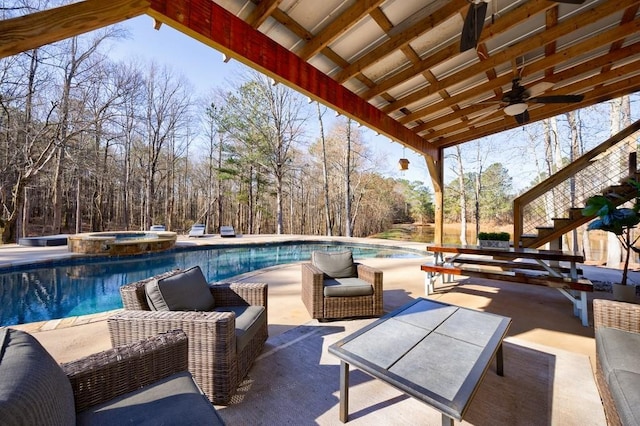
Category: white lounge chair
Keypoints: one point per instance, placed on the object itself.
(197, 230)
(157, 228)
(227, 231)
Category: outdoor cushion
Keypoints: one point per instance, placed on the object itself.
(347, 287)
(184, 291)
(33, 388)
(334, 264)
(171, 401)
(625, 389)
(617, 350)
(248, 322)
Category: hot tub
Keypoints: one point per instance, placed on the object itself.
(121, 243)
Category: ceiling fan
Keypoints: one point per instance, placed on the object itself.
(517, 100)
(474, 21)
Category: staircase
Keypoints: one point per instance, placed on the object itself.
(606, 169)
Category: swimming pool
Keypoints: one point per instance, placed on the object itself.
(83, 286)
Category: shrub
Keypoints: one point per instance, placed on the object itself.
(495, 236)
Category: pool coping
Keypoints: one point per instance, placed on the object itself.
(58, 256)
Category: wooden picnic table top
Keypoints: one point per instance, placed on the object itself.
(510, 252)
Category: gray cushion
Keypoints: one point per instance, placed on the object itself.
(335, 264)
(344, 287)
(33, 388)
(184, 291)
(625, 390)
(249, 319)
(175, 400)
(617, 349)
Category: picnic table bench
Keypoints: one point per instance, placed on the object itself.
(519, 265)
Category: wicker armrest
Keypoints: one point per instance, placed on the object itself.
(312, 291)
(371, 275)
(240, 294)
(312, 276)
(130, 326)
(100, 377)
(621, 315)
(133, 295)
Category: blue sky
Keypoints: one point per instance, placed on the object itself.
(205, 69)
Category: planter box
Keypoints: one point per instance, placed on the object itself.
(494, 244)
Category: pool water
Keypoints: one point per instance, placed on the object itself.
(90, 285)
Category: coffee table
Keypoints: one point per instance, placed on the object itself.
(432, 351)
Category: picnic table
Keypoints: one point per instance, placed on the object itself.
(552, 268)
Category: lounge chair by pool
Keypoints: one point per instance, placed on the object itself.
(157, 228)
(227, 231)
(197, 230)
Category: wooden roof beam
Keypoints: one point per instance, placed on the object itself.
(544, 63)
(338, 26)
(262, 11)
(601, 94)
(40, 28)
(211, 24)
(565, 27)
(402, 35)
(584, 68)
(501, 25)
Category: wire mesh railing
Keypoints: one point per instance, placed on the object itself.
(604, 166)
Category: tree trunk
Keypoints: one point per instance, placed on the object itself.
(325, 177)
(463, 198)
(347, 183)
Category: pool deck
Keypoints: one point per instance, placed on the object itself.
(540, 314)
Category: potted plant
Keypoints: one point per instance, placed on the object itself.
(494, 239)
(619, 221)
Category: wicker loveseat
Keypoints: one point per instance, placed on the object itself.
(145, 383)
(617, 332)
(334, 286)
(223, 340)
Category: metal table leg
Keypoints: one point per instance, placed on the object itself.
(344, 392)
(446, 420)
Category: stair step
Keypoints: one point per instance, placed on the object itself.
(575, 213)
(545, 230)
(560, 222)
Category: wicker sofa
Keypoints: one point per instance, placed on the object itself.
(334, 286)
(223, 341)
(617, 332)
(143, 383)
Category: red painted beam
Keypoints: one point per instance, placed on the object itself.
(213, 25)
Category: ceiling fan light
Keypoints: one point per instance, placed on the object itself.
(515, 109)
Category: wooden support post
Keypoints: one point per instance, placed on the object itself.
(436, 171)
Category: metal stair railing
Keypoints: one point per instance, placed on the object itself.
(604, 166)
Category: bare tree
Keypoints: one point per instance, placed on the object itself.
(325, 174)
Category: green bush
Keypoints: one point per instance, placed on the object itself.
(495, 236)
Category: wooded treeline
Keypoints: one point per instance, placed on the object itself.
(91, 144)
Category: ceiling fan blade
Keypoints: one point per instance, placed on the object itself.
(522, 118)
(557, 99)
(473, 23)
(571, 1)
(538, 88)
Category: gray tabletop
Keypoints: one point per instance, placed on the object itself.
(430, 350)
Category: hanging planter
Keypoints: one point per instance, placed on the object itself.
(403, 164)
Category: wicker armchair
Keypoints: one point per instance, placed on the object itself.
(324, 307)
(216, 364)
(616, 357)
(145, 382)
